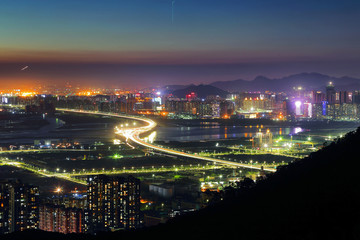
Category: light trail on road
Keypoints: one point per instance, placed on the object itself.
(133, 135)
(135, 138)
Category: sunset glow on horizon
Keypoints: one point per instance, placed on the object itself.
(146, 43)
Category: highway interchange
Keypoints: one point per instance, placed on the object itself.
(131, 135)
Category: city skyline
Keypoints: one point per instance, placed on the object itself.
(147, 43)
(188, 118)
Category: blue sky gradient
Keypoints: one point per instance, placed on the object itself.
(266, 36)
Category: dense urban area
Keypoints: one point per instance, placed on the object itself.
(161, 119)
(95, 160)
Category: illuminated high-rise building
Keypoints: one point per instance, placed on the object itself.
(345, 97)
(318, 97)
(55, 218)
(330, 93)
(19, 206)
(112, 203)
(4, 207)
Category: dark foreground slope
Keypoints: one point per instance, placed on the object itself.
(314, 198)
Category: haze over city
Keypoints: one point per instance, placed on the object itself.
(186, 119)
(141, 43)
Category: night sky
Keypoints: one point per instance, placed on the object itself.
(141, 43)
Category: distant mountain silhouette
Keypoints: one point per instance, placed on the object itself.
(313, 198)
(202, 91)
(168, 89)
(310, 81)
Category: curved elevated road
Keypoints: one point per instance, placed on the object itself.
(133, 135)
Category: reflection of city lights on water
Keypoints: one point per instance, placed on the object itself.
(298, 130)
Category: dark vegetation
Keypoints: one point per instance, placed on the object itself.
(317, 197)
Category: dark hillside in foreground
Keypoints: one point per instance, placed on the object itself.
(317, 197)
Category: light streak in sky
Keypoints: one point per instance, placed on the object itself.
(24, 68)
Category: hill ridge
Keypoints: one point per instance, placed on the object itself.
(310, 81)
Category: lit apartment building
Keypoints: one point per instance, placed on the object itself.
(19, 206)
(112, 203)
(54, 218)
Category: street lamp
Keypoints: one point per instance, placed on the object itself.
(58, 190)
